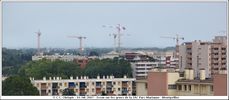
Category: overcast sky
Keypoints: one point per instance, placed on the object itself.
(145, 23)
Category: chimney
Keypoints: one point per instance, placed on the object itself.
(191, 74)
(50, 78)
(125, 76)
(186, 73)
(71, 78)
(98, 77)
(202, 74)
(44, 78)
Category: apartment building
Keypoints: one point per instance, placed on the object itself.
(141, 68)
(188, 86)
(195, 55)
(141, 87)
(140, 65)
(55, 57)
(165, 82)
(84, 86)
(208, 55)
(162, 82)
(219, 54)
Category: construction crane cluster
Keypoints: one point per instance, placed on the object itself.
(117, 35)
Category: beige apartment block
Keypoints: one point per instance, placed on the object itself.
(208, 55)
(141, 87)
(162, 82)
(83, 86)
(167, 82)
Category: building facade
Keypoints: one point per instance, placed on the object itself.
(208, 55)
(83, 86)
(164, 82)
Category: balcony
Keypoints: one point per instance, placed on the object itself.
(224, 61)
(124, 91)
(215, 51)
(124, 85)
(224, 56)
(215, 56)
(44, 87)
(223, 51)
(109, 86)
(98, 86)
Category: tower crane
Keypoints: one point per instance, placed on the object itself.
(119, 29)
(81, 42)
(177, 38)
(38, 42)
(115, 36)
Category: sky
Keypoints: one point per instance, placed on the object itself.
(145, 23)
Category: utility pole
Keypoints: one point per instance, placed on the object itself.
(81, 42)
(38, 42)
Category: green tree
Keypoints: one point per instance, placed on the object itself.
(16, 85)
(68, 92)
(48, 68)
(116, 67)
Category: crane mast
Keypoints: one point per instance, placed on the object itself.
(81, 42)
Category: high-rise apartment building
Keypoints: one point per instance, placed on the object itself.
(208, 55)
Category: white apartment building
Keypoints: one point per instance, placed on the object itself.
(83, 86)
(55, 57)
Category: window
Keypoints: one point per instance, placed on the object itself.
(93, 83)
(93, 90)
(146, 86)
(172, 86)
(211, 88)
(149, 64)
(60, 84)
(114, 83)
(65, 84)
(179, 87)
(118, 89)
(190, 87)
(185, 87)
